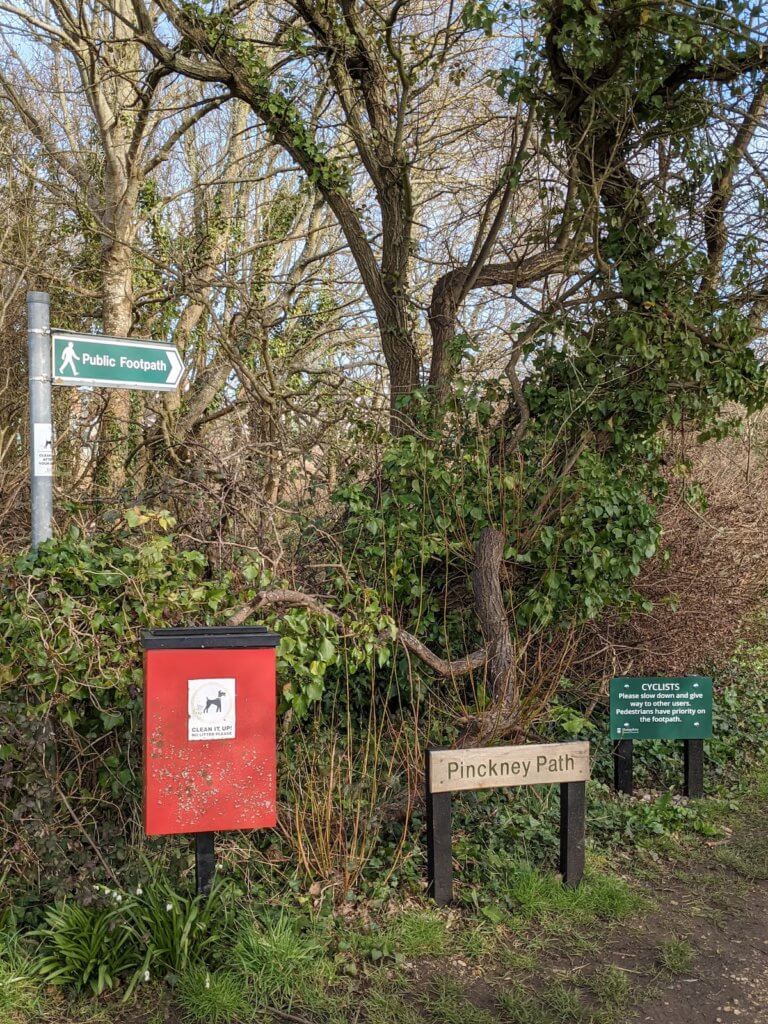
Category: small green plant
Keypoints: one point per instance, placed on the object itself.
(282, 964)
(179, 929)
(217, 997)
(151, 932)
(612, 988)
(675, 955)
(88, 948)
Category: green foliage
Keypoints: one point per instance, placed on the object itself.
(435, 492)
(87, 948)
(282, 963)
(131, 936)
(657, 345)
(71, 613)
(70, 675)
(178, 929)
(71, 672)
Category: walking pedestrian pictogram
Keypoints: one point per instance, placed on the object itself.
(68, 359)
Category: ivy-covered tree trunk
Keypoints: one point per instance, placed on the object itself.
(117, 317)
(501, 676)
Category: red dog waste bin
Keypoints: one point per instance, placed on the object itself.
(209, 729)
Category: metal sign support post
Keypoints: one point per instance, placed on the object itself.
(40, 416)
(622, 767)
(205, 861)
(573, 827)
(439, 856)
(693, 768)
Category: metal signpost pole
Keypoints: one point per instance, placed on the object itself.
(205, 861)
(622, 767)
(40, 415)
(573, 827)
(439, 856)
(693, 768)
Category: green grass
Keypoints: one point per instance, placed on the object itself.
(555, 1004)
(612, 988)
(747, 853)
(217, 997)
(675, 956)
(412, 935)
(519, 1007)
(563, 1002)
(537, 895)
(390, 1008)
(419, 933)
(447, 1004)
(281, 964)
(20, 995)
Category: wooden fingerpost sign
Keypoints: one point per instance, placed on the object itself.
(447, 771)
(671, 708)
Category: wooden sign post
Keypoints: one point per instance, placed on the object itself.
(448, 771)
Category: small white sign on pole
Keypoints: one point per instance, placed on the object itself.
(42, 449)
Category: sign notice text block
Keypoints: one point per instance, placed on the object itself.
(93, 360)
(663, 708)
(488, 767)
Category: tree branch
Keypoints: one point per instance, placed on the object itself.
(449, 289)
(296, 599)
(715, 234)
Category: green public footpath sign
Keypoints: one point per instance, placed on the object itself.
(92, 360)
(649, 707)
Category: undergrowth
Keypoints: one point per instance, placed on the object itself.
(277, 941)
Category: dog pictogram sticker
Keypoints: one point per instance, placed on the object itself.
(212, 709)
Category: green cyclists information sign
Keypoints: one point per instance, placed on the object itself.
(648, 707)
(93, 360)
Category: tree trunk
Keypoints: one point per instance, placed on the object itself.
(117, 316)
(489, 604)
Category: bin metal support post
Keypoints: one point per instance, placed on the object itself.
(439, 856)
(573, 827)
(40, 416)
(205, 861)
(693, 764)
(622, 767)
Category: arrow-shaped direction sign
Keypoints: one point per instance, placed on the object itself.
(93, 360)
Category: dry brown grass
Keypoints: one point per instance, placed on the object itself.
(713, 569)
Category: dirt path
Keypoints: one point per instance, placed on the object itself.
(728, 976)
(723, 916)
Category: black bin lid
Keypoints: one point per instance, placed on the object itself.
(208, 637)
